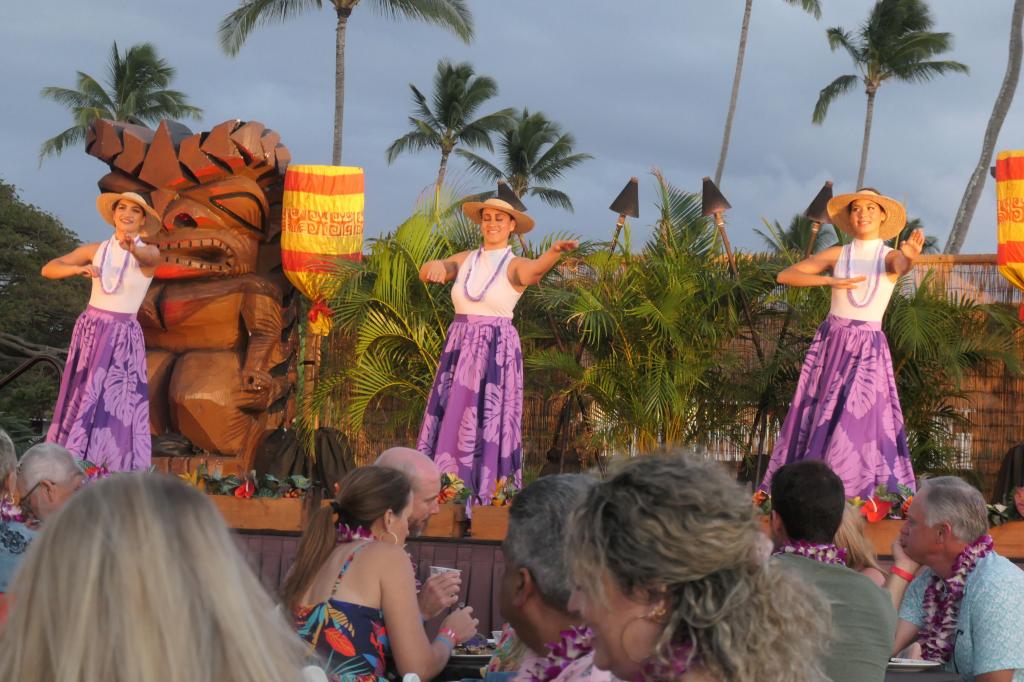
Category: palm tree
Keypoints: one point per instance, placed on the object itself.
(962, 221)
(533, 151)
(809, 6)
(236, 27)
(457, 96)
(893, 43)
(135, 92)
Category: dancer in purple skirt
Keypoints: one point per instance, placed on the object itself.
(473, 422)
(102, 411)
(846, 410)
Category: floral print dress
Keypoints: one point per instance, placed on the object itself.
(349, 639)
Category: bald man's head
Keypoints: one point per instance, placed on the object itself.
(426, 482)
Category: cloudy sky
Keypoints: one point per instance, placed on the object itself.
(640, 85)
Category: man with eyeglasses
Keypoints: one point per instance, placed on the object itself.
(47, 476)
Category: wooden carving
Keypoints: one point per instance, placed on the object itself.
(219, 318)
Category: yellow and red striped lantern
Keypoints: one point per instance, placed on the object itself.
(1010, 212)
(321, 222)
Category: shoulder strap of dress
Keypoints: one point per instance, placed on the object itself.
(348, 562)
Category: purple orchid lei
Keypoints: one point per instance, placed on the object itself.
(573, 644)
(825, 553)
(10, 511)
(942, 601)
(348, 534)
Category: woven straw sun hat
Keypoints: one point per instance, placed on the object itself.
(105, 205)
(474, 209)
(892, 222)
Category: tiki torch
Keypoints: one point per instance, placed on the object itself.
(817, 213)
(626, 204)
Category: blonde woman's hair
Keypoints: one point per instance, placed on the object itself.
(672, 525)
(137, 579)
(860, 553)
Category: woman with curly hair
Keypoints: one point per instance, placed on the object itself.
(672, 577)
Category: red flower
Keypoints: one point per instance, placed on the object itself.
(876, 509)
(906, 506)
(246, 490)
(339, 642)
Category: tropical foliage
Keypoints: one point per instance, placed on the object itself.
(895, 43)
(235, 28)
(448, 120)
(534, 154)
(136, 91)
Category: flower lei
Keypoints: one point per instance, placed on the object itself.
(825, 553)
(494, 275)
(10, 511)
(942, 602)
(574, 643)
(348, 534)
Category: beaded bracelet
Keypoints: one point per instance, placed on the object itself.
(901, 573)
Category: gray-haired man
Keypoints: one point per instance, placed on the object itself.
(966, 608)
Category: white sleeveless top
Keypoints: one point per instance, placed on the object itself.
(501, 297)
(863, 257)
(126, 298)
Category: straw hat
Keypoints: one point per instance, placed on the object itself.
(105, 205)
(474, 209)
(892, 222)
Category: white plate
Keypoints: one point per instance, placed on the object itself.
(912, 664)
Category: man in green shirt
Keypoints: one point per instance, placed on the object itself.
(807, 508)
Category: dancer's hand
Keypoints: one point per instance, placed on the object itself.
(565, 246)
(436, 272)
(88, 271)
(128, 244)
(845, 282)
(911, 247)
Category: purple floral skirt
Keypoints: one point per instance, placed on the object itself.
(846, 411)
(472, 426)
(102, 411)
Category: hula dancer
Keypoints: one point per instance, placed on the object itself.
(102, 411)
(846, 411)
(473, 421)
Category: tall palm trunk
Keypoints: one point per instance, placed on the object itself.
(339, 82)
(735, 92)
(962, 221)
(441, 171)
(871, 90)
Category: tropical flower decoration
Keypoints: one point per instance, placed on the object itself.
(266, 486)
(93, 472)
(453, 489)
(504, 491)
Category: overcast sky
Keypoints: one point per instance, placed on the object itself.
(640, 85)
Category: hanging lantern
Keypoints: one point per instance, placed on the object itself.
(321, 222)
(1010, 212)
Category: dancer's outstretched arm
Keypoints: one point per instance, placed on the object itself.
(807, 273)
(526, 271)
(78, 262)
(902, 261)
(441, 271)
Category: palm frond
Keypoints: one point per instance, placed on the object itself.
(235, 28)
(829, 93)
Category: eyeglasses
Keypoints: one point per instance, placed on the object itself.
(77, 480)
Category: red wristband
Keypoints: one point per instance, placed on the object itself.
(448, 633)
(900, 573)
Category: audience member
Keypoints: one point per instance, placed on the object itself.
(137, 579)
(47, 476)
(808, 502)
(441, 591)
(860, 553)
(14, 534)
(669, 576)
(535, 589)
(352, 590)
(966, 607)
